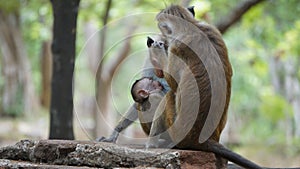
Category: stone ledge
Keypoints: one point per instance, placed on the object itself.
(4, 163)
(84, 154)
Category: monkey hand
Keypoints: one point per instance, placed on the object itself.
(111, 139)
(104, 139)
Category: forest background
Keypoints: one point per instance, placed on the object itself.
(264, 50)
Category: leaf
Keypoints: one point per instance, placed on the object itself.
(274, 107)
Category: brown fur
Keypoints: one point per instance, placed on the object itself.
(188, 78)
(179, 49)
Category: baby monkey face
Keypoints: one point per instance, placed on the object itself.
(149, 84)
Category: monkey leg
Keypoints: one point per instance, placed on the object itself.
(130, 116)
(158, 130)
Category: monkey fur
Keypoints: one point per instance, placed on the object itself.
(138, 110)
(132, 113)
(186, 75)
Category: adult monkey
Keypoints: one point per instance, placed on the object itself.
(132, 114)
(196, 66)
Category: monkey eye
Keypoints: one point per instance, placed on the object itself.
(160, 43)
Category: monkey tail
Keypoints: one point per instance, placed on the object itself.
(218, 149)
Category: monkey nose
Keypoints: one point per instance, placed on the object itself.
(157, 85)
(160, 86)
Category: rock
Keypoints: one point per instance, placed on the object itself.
(103, 155)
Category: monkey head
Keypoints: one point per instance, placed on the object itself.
(158, 55)
(142, 88)
(172, 20)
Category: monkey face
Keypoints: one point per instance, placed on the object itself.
(150, 85)
(158, 55)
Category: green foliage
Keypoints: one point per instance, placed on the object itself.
(17, 109)
(201, 7)
(296, 150)
(36, 20)
(266, 29)
(261, 130)
(36, 24)
(10, 6)
(274, 107)
(220, 8)
(92, 5)
(290, 43)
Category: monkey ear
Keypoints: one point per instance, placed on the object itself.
(149, 41)
(191, 9)
(165, 28)
(143, 93)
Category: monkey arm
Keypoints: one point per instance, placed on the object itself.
(130, 116)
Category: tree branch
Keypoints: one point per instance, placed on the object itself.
(103, 37)
(123, 53)
(236, 14)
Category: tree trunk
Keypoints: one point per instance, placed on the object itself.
(292, 94)
(102, 99)
(63, 52)
(104, 79)
(288, 94)
(18, 93)
(92, 50)
(46, 71)
(236, 14)
(284, 79)
(9, 63)
(296, 108)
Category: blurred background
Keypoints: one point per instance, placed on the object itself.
(264, 49)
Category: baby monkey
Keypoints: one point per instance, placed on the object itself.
(147, 94)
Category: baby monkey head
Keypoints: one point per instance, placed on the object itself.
(142, 88)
